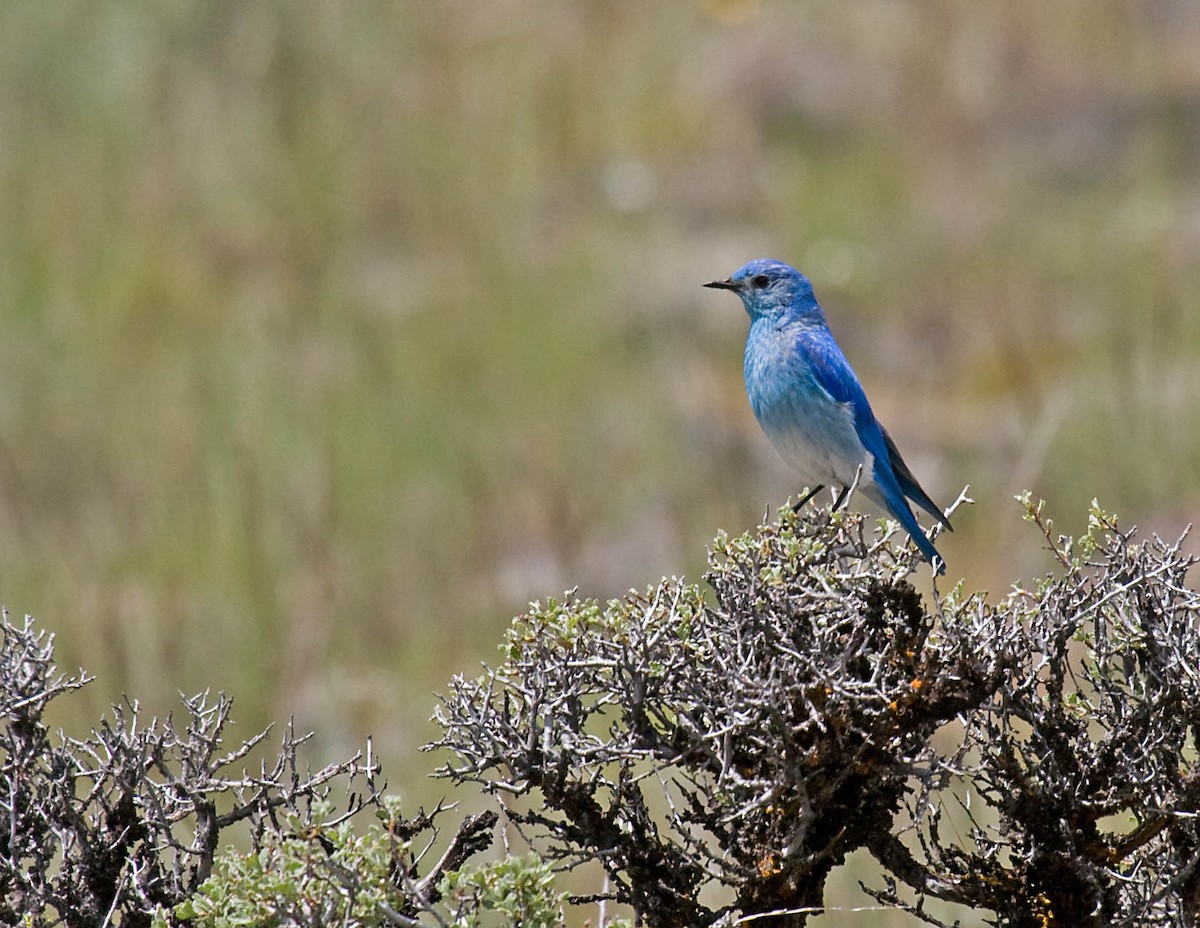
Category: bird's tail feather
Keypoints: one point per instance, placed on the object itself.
(908, 483)
(893, 498)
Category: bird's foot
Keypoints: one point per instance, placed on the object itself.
(807, 496)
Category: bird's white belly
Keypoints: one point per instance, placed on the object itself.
(832, 459)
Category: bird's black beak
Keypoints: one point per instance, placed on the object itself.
(725, 284)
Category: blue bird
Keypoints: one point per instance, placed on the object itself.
(808, 400)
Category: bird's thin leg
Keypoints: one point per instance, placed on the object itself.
(841, 498)
(807, 496)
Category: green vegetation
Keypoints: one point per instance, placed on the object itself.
(332, 334)
(317, 876)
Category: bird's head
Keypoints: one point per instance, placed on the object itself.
(770, 289)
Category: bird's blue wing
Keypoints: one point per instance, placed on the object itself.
(833, 374)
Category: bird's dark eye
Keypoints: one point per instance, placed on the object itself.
(761, 281)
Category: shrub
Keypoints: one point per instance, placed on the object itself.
(815, 705)
(718, 755)
(125, 824)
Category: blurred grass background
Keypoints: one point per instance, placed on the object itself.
(332, 334)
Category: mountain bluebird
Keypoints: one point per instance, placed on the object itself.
(811, 405)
